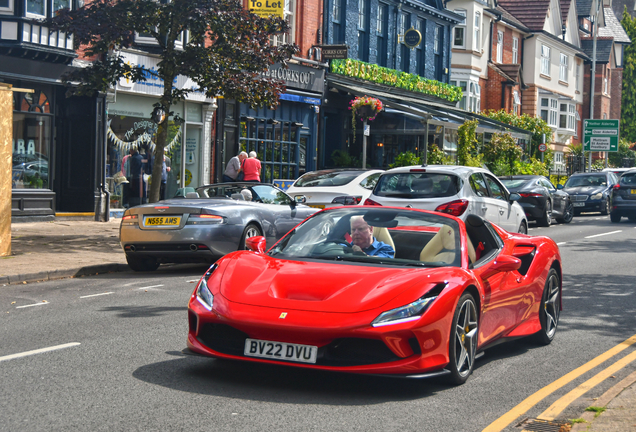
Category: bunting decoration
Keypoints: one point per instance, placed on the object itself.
(124, 146)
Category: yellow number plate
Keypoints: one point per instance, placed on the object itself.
(162, 221)
(633, 191)
(320, 206)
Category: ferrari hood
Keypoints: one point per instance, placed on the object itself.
(260, 280)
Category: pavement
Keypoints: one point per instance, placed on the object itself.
(69, 248)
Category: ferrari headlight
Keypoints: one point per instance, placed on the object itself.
(410, 312)
(597, 196)
(205, 297)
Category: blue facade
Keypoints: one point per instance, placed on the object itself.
(372, 36)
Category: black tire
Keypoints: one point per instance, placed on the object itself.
(251, 230)
(550, 309)
(606, 208)
(568, 213)
(140, 264)
(462, 346)
(632, 218)
(616, 217)
(546, 218)
(523, 228)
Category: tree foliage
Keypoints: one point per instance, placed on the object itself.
(226, 53)
(467, 154)
(501, 154)
(623, 155)
(435, 156)
(628, 101)
(405, 159)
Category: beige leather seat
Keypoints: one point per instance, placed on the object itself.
(444, 239)
(382, 234)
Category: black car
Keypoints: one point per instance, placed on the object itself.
(540, 199)
(590, 192)
(624, 197)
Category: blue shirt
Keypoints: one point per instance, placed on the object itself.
(379, 249)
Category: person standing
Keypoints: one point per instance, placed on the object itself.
(252, 168)
(165, 169)
(233, 168)
(137, 167)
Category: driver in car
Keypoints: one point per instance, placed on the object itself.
(362, 240)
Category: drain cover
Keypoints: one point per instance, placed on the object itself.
(537, 425)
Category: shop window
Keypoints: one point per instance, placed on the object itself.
(459, 33)
(515, 50)
(36, 8)
(31, 151)
(36, 102)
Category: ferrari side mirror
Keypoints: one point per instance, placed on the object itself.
(255, 244)
(503, 263)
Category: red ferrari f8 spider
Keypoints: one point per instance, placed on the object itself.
(425, 298)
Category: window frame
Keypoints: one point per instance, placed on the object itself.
(516, 102)
(546, 53)
(474, 97)
(336, 12)
(461, 27)
(515, 50)
(9, 9)
(35, 15)
(477, 32)
(500, 42)
(577, 76)
(563, 67)
(290, 37)
(361, 15)
(463, 84)
(551, 109)
(379, 22)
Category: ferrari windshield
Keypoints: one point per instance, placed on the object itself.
(388, 236)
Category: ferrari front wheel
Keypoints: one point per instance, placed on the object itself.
(463, 340)
(550, 309)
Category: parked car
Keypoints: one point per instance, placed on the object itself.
(540, 199)
(590, 192)
(429, 311)
(624, 197)
(617, 171)
(334, 187)
(456, 190)
(214, 220)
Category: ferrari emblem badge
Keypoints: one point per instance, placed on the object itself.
(283, 315)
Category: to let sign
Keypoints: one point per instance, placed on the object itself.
(267, 8)
(600, 135)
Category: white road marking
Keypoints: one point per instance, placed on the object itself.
(148, 287)
(561, 243)
(134, 283)
(192, 280)
(604, 234)
(31, 305)
(39, 351)
(95, 295)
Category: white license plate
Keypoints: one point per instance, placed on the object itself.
(280, 351)
(579, 204)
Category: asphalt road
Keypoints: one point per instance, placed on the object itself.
(126, 371)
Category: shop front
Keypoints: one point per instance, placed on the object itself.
(410, 122)
(285, 139)
(130, 128)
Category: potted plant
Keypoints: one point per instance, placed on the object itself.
(364, 107)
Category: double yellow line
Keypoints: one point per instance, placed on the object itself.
(557, 407)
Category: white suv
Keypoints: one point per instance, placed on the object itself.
(457, 190)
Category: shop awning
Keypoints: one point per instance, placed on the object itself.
(420, 106)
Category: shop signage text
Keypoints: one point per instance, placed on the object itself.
(331, 52)
(298, 77)
(412, 38)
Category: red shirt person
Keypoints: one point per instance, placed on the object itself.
(252, 168)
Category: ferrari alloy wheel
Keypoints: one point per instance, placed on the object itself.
(140, 264)
(546, 219)
(550, 309)
(568, 213)
(523, 228)
(605, 207)
(463, 340)
(251, 230)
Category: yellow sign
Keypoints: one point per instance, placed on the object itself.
(162, 221)
(188, 177)
(267, 8)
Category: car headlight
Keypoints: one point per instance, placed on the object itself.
(410, 312)
(597, 196)
(205, 297)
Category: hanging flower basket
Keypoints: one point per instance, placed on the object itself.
(365, 108)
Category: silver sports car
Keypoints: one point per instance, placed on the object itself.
(207, 224)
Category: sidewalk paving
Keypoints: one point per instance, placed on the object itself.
(59, 249)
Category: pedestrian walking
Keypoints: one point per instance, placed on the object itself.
(233, 168)
(252, 168)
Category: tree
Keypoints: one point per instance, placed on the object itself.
(226, 53)
(467, 144)
(624, 155)
(628, 101)
(501, 154)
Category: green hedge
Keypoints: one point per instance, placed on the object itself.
(394, 78)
